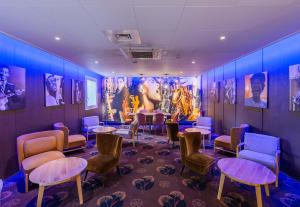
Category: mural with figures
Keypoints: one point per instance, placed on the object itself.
(125, 95)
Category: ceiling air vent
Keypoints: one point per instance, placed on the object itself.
(141, 53)
(123, 37)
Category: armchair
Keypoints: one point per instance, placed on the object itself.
(109, 147)
(191, 157)
(71, 142)
(173, 131)
(267, 154)
(38, 148)
(89, 123)
(203, 122)
(129, 131)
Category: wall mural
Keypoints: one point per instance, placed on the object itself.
(230, 91)
(256, 90)
(168, 94)
(54, 85)
(12, 88)
(294, 76)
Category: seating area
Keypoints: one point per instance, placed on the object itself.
(149, 103)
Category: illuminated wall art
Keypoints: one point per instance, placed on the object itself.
(294, 77)
(54, 90)
(12, 88)
(230, 91)
(124, 95)
(256, 90)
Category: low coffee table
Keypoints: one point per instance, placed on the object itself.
(246, 172)
(204, 132)
(56, 172)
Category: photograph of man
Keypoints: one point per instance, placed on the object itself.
(256, 90)
(294, 76)
(53, 90)
(77, 89)
(230, 91)
(121, 95)
(12, 88)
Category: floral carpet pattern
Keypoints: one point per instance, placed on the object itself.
(151, 178)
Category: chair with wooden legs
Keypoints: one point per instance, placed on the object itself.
(110, 148)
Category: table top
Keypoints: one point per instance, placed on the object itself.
(104, 129)
(202, 131)
(58, 171)
(246, 171)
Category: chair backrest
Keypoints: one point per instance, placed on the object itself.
(157, 111)
(204, 121)
(141, 118)
(261, 143)
(109, 144)
(65, 129)
(236, 135)
(38, 142)
(193, 141)
(172, 130)
(90, 121)
(183, 150)
(143, 111)
(158, 119)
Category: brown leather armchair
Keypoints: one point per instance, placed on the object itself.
(110, 148)
(38, 148)
(71, 142)
(191, 157)
(229, 143)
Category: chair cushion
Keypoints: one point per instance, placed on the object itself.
(35, 161)
(253, 142)
(223, 141)
(265, 159)
(203, 127)
(101, 163)
(76, 140)
(199, 162)
(38, 145)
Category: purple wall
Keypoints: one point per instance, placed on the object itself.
(276, 120)
(37, 117)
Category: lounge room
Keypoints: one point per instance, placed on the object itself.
(139, 103)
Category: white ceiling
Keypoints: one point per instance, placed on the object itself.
(187, 29)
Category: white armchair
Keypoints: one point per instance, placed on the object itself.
(129, 131)
(203, 122)
(263, 149)
(89, 123)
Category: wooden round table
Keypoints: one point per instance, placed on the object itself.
(204, 132)
(104, 130)
(56, 172)
(246, 172)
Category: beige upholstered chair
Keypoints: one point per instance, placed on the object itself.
(71, 142)
(38, 148)
(110, 148)
(191, 157)
(130, 131)
(230, 142)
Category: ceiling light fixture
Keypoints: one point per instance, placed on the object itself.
(181, 72)
(223, 37)
(96, 62)
(57, 38)
(193, 62)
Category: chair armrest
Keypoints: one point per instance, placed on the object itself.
(101, 123)
(239, 147)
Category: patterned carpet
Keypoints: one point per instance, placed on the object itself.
(151, 178)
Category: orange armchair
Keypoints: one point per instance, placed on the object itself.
(38, 148)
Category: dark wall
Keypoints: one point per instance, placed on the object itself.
(276, 120)
(35, 116)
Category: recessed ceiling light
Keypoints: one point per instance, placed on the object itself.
(223, 37)
(113, 72)
(193, 62)
(57, 38)
(96, 62)
(181, 72)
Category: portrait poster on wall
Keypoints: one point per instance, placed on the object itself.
(294, 78)
(54, 85)
(214, 92)
(256, 90)
(230, 91)
(77, 91)
(12, 88)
